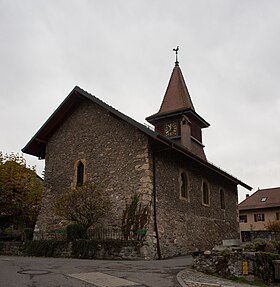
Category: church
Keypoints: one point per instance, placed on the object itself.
(192, 203)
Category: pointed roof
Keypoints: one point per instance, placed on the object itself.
(177, 96)
(262, 198)
(177, 99)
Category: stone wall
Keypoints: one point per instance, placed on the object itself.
(188, 225)
(224, 263)
(116, 160)
(104, 249)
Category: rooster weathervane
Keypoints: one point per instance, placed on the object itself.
(176, 52)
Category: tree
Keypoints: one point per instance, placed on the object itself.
(84, 205)
(273, 225)
(20, 192)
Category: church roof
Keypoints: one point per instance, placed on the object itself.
(177, 99)
(177, 95)
(262, 198)
(37, 145)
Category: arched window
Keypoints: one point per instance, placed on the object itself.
(205, 193)
(80, 173)
(183, 185)
(222, 199)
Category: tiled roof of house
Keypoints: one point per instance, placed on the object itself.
(262, 198)
(37, 145)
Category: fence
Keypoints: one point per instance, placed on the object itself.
(116, 234)
(97, 234)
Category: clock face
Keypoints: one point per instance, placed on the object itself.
(170, 129)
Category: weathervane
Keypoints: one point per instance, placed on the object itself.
(176, 51)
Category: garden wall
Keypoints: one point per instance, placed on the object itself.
(87, 249)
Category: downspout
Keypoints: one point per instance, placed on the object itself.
(155, 205)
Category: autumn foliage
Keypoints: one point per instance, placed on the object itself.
(20, 192)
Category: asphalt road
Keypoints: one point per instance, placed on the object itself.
(60, 272)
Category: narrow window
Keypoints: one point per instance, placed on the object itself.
(222, 199)
(183, 185)
(80, 174)
(259, 217)
(277, 215)
(205, 193)
(243, 218)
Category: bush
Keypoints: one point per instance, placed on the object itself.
(270, 247)
(259, 244)
(46, 248)
(277, 245)
(249, 246)
(264, 267)
(27, 234)
(76, 231)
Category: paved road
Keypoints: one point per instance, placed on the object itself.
(58, 272)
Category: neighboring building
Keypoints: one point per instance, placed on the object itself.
(193, 203)
(259, 209)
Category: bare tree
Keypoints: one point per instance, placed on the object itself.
(84, 205)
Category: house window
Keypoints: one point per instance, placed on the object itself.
(243, 218)
(205, 193)
(184, 185)
(277, 215)
(222, 199)
(259, 217)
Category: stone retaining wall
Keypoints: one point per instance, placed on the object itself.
(125, 250)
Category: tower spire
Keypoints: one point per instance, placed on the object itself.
(176, 52)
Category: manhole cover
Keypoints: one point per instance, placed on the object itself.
(34, 272)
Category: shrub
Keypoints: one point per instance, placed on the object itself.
(270, 247)
(264, 265)
(85, 205)
(273, 225)
(135, 218)
(46, 248)
(259, 244)
(27, 234)
(76, 231)
(249, 246)
(277, 245)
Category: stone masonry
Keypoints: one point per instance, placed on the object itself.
(116, 157)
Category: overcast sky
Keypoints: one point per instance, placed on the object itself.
(121, 52)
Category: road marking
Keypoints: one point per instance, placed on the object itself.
(103, 280)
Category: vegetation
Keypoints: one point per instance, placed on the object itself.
(76, 231)
(135, 218)
(273, 225)
(84, 205)
(46, 248)
(20, 192)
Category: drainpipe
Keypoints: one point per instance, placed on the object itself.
(155, 205)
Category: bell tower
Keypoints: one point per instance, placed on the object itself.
(176, 118)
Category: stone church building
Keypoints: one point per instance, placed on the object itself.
(193, 203)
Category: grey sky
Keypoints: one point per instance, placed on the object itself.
(121, 51)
